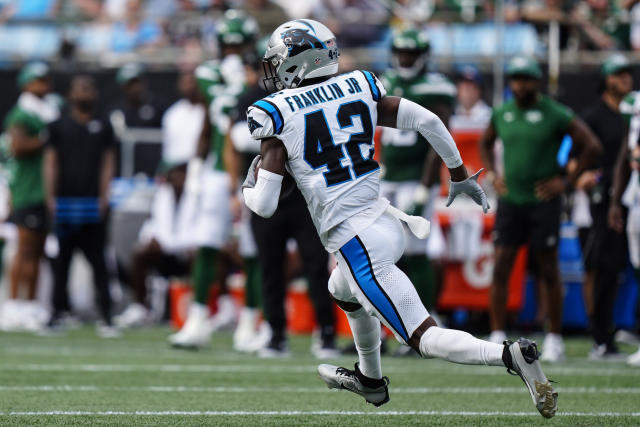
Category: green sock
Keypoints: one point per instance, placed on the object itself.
(204, 272)
(253, 284)
(421, 274)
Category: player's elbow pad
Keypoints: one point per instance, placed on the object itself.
(263, 198)
(412, 116)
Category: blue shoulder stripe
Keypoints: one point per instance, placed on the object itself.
(274, 113)
(372, 85)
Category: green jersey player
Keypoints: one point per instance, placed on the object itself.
(24, 128)
(411, 168)
(220, 82)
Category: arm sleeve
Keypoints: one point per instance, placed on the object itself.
(263, 198)
(411, 116)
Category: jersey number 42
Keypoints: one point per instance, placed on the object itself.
(321, 151)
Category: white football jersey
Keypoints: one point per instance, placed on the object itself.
(327, 130)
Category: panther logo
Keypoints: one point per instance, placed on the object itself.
(253, 124)
(299, 40)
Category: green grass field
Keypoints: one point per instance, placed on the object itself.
(79, 379)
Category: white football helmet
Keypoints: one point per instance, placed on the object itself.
(299, 50)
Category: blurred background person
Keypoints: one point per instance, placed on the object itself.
(625, 193)
(79, 164)
(605, 249)
(165, 243)
(470, 107)
(219, 86)
(182, 125)
(251, 334)
(531, 127)
(267, 13)
(411, 178)
(134, 30)
(354, 22)
(136, 106)
(25, 125)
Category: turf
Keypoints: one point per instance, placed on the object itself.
(139, 380)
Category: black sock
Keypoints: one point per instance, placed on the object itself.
(506, 357)
(367, 381)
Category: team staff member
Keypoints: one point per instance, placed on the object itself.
(24, 126)
(605, 249)
(78, 167)
(531, 127)
(139, 107)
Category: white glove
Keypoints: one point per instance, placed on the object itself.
(471, 188)
(250, 180)
(193, 181)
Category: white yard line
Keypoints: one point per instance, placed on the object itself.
(619, 370)
(59, 351)
(225, 389)
(297, 413)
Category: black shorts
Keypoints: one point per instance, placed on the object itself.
(34, 218)
(172, 266)
(536, 224)
(601, 245)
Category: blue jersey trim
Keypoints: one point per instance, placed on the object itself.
(359, 263)
(375, 92)
(273, 112)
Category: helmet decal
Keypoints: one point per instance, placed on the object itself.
(299, 50)
(298, 40)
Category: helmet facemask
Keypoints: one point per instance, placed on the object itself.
(418, 66)
(411, 42)
(271, 81)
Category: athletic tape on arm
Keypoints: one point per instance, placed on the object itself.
(412, 116)
(263, 198)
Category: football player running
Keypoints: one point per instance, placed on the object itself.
(319, 127)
